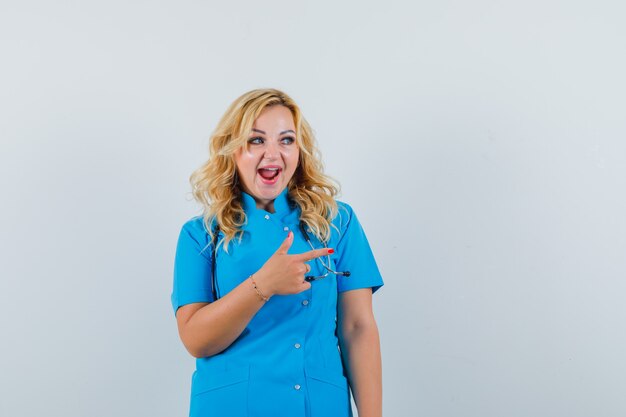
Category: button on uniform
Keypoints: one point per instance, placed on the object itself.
(297, 345)
(296, 387)
(285, 228)
(305, 302)
(267, 217)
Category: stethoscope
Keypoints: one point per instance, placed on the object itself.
(308, 278)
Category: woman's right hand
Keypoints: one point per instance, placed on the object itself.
(284, 274)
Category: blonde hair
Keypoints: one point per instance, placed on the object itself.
(216, 186)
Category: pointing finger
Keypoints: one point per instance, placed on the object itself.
(312, 254)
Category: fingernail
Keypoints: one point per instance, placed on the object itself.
(331, 251)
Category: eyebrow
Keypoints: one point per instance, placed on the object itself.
(281, 133)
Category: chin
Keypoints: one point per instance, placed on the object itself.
(270, 194)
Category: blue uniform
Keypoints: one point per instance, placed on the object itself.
(286, 362)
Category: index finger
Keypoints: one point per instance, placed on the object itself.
(312, 254)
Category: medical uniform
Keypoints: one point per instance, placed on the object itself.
(287, 361)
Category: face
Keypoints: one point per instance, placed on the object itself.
(270, 158)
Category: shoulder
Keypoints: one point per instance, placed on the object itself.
(195, 224)
(194, 232)
(195, 227)
(344, 215)
(343, 205)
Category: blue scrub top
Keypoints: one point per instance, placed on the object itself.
(287, 360)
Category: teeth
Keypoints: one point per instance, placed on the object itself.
(271, 169)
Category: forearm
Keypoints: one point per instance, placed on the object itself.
(215, 326)
(360, 348)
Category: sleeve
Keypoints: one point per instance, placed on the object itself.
(354, 254)
(192, 266)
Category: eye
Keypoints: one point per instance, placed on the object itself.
(255, 141)
(288, 140)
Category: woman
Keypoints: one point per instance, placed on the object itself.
(280, 326)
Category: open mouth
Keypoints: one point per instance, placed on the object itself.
(269, 175)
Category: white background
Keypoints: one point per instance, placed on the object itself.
(482, 145)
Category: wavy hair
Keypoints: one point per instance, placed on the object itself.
(215, 184)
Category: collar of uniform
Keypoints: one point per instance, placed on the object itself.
(281, 204)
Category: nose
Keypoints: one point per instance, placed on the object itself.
(271, 150)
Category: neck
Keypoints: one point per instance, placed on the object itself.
(266, 205)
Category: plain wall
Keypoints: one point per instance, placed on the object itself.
(482, 145)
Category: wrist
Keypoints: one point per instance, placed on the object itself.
(260, 289)
(264, 282)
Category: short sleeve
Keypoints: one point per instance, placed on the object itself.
(353, 253)
(192, 265)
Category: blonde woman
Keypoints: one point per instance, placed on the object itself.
(273, 283)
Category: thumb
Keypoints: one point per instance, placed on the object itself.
(284, 247)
